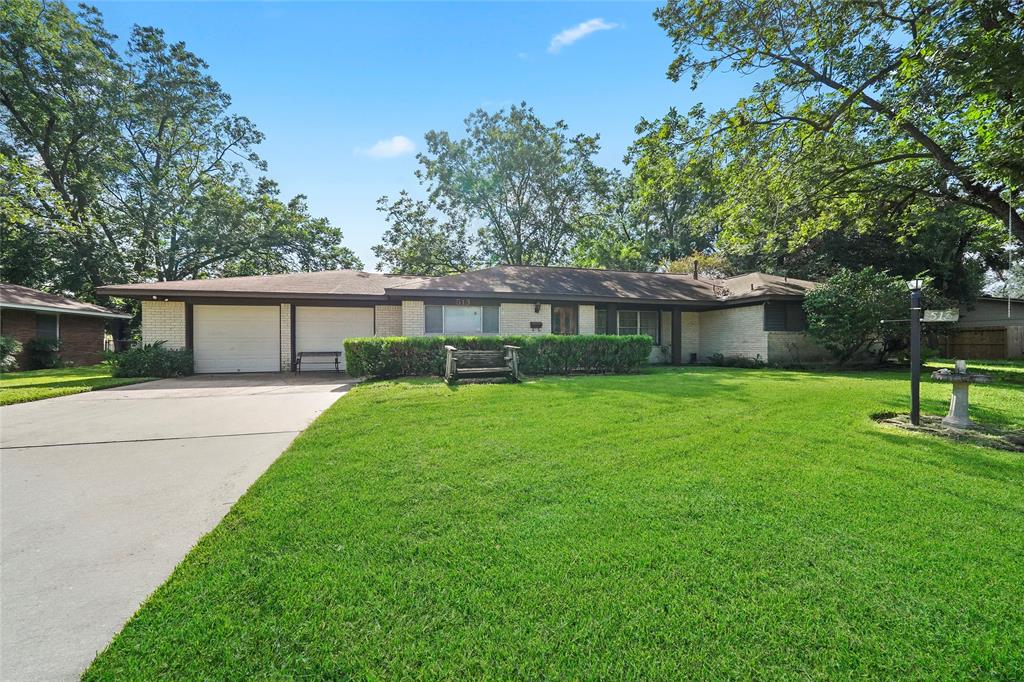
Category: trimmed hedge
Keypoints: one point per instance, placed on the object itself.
(152, 360)
(543, 354)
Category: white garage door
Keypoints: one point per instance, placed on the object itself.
(236, 338)
(326, 328)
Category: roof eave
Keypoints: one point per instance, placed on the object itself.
(65, 311)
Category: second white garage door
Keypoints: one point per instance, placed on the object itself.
(236, 338)
(326, 328)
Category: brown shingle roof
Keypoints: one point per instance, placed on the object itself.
(503, 280)
(325, 284)
(760, 285)
(14, 296)
(611, 285)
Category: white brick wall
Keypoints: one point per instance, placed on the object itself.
(587, 319)
(733, 332)
(413, 320)
(515, 318)
(691, 335)
(286, 337)
(388, 320)
(796, 347)
(164, 321)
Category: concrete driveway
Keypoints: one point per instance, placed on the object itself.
(104, 493)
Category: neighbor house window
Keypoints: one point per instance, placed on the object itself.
(47, 326)
(461, 319)
(784, 317)
(641, 322)
(601, 321)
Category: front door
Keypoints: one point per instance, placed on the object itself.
(563, 319)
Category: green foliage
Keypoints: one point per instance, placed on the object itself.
(153, 360)
(742, 361)
(423, 241)
(541, 354)
(845, 313)
(129, 165)
(884, 134)
(522, 183)
(9, 349)
(43, 353)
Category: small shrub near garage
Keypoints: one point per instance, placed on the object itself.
(542, 354)
(9, 349)
(152, 360)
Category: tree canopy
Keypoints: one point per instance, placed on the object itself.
(132, 166)
(888, 127)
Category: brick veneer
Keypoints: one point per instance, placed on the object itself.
(81, 336)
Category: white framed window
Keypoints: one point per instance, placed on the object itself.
(641, 322)
(461, 320)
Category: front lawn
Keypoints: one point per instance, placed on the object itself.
(37, 384)
(694, 523)
(1001, 370)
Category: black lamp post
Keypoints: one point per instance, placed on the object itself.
(915, 351)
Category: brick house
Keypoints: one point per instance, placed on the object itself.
(253, 324)
(27, 314)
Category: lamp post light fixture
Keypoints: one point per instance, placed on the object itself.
(915, 286)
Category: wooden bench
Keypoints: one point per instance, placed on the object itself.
(336, 354)
(480, 364)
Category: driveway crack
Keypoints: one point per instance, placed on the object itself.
(147, 440)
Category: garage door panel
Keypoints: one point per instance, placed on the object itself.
(236, 338)
(326, 328)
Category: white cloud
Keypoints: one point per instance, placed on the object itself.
(578, 32)
(399, 145)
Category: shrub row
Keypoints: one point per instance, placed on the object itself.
(542, 354)
(152, 360)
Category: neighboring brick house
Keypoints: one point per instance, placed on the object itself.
(246, 324)
(27, 314)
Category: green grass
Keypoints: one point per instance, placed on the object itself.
(698, 523)
(1001, 370)
(38, 384)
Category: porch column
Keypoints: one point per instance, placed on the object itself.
(677, 336)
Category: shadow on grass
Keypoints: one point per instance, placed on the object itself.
(965, 458)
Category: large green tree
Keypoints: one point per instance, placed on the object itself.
(131, 166)
(423, 239)
(523, 184)
(895, 127)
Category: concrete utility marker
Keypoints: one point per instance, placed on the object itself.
(103, 493)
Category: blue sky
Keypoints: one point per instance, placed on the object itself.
(327, 82)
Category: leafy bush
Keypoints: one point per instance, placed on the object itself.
(9, 349)
(153, 360)
(719, 360)
(845, 313)
(543, 354)
(43, 353)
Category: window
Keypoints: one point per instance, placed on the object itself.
(601, 321)
(434, 318)
(784, 317)
(47, 327)
(641, 322)
(460, 320)
(563, 319)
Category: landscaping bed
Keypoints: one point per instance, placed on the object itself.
(700, 522)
